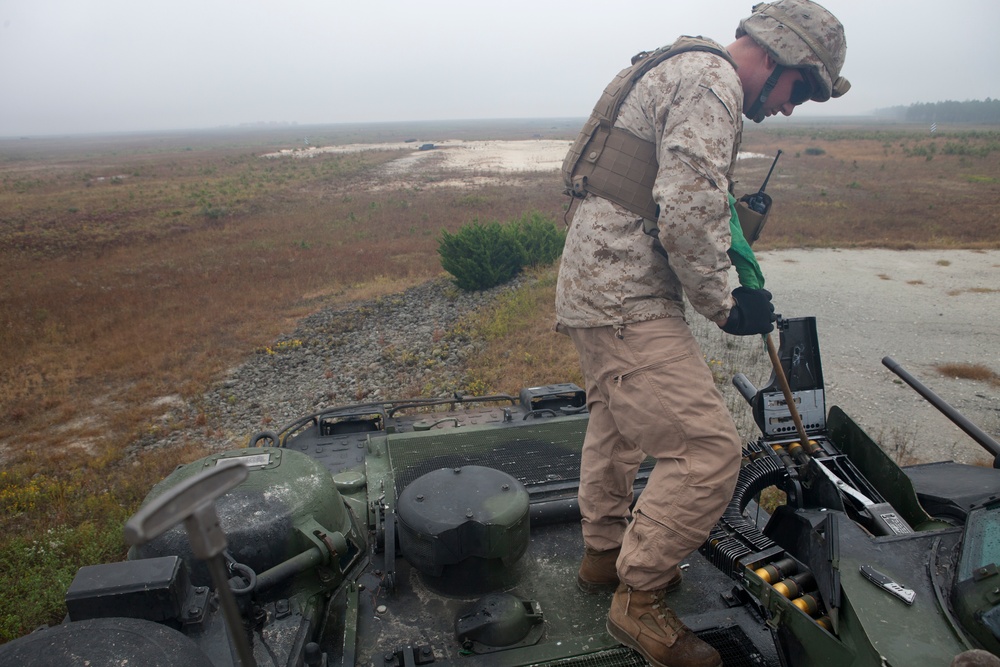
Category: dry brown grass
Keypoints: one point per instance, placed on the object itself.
(875, 187)
(522, 347)
(146, 290)
(966, 371)
(141, 268)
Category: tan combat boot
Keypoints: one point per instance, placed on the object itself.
(597, 570)
(599, 573)
(641, 620)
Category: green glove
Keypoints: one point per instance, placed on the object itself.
(740, 253)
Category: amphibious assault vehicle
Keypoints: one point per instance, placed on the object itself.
(446, 531)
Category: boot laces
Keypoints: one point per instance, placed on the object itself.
(658, 604)
(666, 613)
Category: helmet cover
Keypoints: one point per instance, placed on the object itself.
(804, 35)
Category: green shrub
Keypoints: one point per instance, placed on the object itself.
(483, 256)
(540, 239)
(480, 256)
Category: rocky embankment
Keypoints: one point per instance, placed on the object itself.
(395, 346)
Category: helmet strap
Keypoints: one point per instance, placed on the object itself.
(756, 112)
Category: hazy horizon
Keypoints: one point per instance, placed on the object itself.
(114, 66)
(454, 124)
(576, 121)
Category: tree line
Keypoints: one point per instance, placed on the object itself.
(949, 111)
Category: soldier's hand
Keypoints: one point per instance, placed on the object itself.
(752, 314)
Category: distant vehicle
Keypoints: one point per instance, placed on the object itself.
(426, 147)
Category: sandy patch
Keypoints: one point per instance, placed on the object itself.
(455, 163)
(491, 156)
(454, 154)
(452, 163)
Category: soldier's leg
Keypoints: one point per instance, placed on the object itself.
(668, 405)
(609, 462)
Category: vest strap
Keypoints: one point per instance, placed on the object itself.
(611, 162)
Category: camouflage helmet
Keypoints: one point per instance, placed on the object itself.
(804, 35)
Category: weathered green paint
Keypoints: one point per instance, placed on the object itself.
(879, 469)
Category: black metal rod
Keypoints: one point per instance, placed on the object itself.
(294, 565)
(956, 417)
(547, 512)
(217, 569)
(768, 177)
(746, 388)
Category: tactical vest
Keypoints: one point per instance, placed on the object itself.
(611, 162)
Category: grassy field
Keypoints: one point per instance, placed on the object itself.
(137, 269)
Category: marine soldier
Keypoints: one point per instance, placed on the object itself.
(652, 169)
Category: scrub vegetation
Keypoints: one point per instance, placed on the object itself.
(137, 269)
(858, 187)
(482, 256)
(978, 372)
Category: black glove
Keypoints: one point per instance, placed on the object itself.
(752, 314)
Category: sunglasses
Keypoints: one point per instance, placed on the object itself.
(802, 90)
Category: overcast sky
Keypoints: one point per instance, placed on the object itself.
(83, 66)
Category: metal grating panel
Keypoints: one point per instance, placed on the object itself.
(731, 642)
(536, 454)
(734, 646)
(614, 657)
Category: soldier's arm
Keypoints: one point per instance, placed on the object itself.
(697, 128)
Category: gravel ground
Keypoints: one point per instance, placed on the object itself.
(394, 347)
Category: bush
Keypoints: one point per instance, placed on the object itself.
(540, 239)
(483, 256)
(480, 256)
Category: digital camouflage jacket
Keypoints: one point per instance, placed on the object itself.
(691, 108)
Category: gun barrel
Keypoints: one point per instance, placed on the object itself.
(957, 418)
(745, 387)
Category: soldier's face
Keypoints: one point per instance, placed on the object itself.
(794, 87)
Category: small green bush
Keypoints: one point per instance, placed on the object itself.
(482, 256)
(540, 239)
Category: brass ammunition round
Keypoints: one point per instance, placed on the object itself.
(798, 452)
(807, 603)
(773, 572)
(825, 623)
(783, 455)
(793, 586)
(788, 589)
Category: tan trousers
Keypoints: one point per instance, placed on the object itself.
(650, 393)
